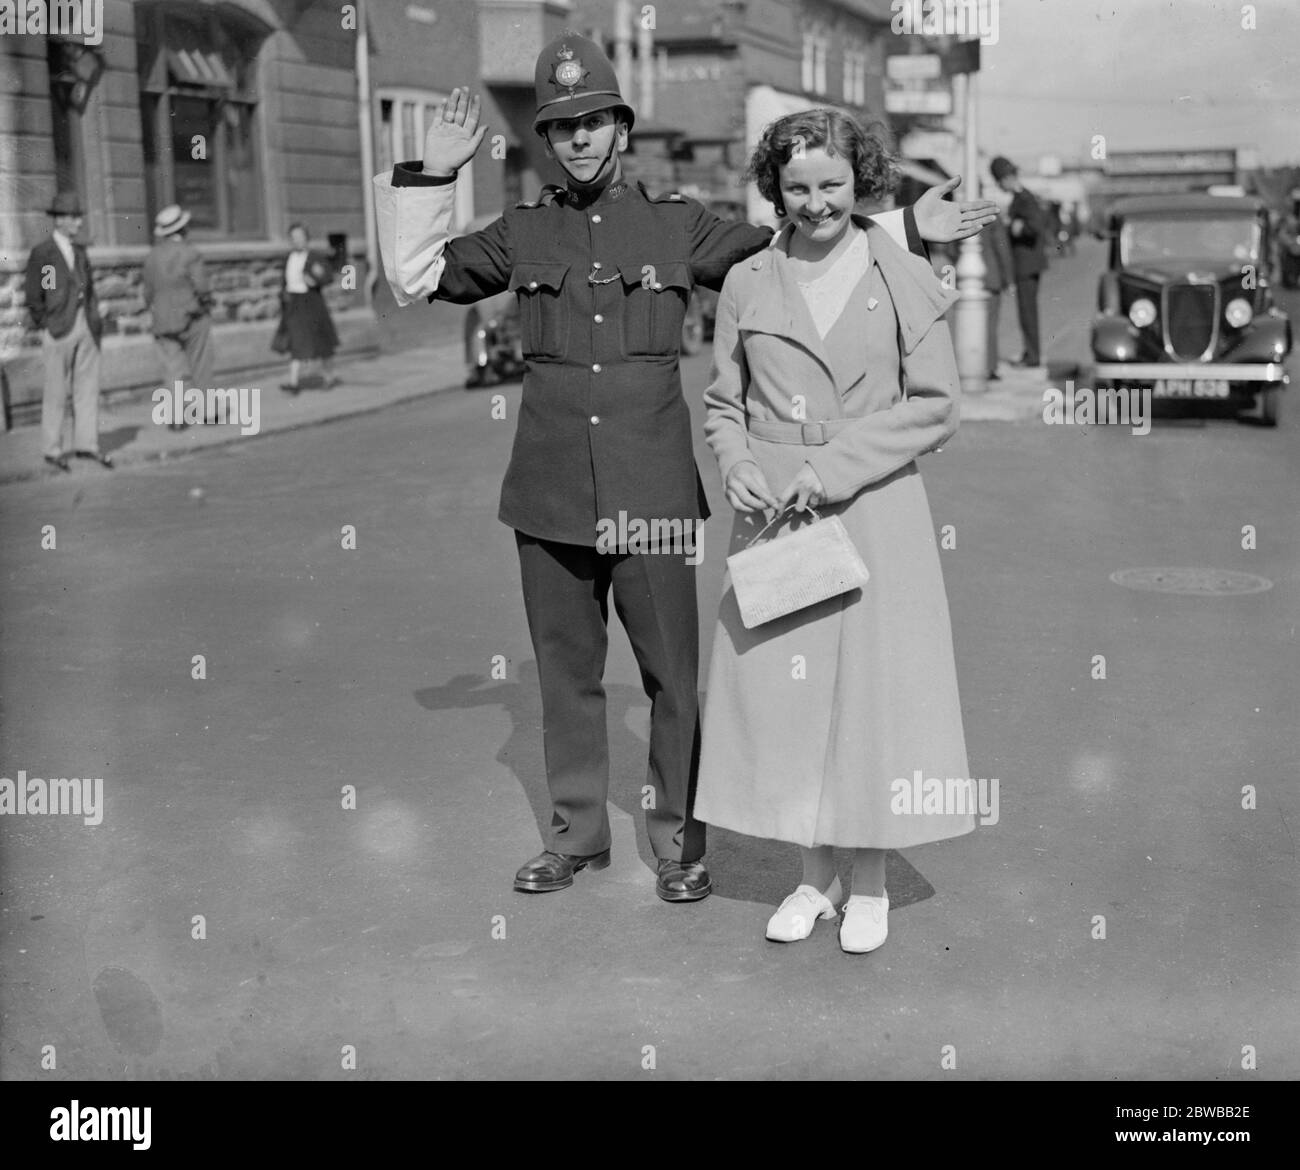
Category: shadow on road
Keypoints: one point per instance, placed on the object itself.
(743, 868)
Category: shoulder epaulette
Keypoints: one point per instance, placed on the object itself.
(664, 197)
(548, 195)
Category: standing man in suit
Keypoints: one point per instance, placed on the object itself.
(603, 271)
(1028, 230)
(999, 278)
(60, 291)
(176, 289)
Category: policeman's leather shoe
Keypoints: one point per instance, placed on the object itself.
(554, 871)
(682, 881)
(98, 456)
(59, 462)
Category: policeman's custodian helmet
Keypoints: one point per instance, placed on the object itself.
(574, 77)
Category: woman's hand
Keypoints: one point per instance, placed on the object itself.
(805, 490)
(941, 222)
(454, 134)
(747, 490)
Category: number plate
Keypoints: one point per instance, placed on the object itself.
(1192, 388)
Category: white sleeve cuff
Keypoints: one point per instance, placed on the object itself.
(414, 226)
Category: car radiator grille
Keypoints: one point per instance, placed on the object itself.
(1191, 316)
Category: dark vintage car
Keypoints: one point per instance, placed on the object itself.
(1186, 306)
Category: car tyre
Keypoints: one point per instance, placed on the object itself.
(1270, 403)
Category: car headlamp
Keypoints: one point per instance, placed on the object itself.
(1142, 312)
(1238, 312)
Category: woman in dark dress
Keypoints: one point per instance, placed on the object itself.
(306, 331)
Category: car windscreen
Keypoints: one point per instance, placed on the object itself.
(1189, 237)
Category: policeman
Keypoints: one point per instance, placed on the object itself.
(603, 271)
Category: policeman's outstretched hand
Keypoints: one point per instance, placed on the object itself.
(747, 490)
(941, 221)
(454, 134)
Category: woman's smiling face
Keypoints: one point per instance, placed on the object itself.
(817, 190)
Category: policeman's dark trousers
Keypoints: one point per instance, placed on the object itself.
(566, 599)
(1027, 307)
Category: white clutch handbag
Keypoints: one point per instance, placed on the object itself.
(809, 564)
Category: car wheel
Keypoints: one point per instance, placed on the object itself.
(1270, 402)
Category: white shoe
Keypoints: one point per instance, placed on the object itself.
(865, 925)
(797, 915)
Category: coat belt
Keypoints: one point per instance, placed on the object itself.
(809, 434)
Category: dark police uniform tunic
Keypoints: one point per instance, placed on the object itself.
(603, 288)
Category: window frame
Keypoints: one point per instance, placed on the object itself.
(389, 133)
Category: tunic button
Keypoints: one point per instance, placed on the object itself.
(597, 264)
(658, 286)
(595, 420)
(532, 284)
(599, 318)
(595, 369)
(595, 219)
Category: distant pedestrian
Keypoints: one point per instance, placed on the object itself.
(1069, 229)
(177, 291)
(60, 291)
(1028, 231)
(999, 278)
(306, 331)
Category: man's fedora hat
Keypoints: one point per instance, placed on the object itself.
(66, 203)
(170, 220)
(574, 77)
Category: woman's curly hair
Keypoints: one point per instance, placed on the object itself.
(867, 151)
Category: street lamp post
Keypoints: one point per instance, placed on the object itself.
(971, 314)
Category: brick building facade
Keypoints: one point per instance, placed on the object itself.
(720, 70)
(245, 112)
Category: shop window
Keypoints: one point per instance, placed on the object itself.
(199, 109)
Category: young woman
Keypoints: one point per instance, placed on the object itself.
(834, 371)
(306, 331)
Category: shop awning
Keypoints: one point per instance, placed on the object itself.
(195, 67)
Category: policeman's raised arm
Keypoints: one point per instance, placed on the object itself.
(415, 205)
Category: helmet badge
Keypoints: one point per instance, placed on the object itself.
(569, 73)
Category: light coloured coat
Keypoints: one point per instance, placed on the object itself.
(810, 720)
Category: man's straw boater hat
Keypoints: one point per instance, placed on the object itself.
(170, 220)
(574, 77)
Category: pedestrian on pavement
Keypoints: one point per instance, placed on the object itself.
(177, 291)
(603, 271)
(833, 372)
(999, 278)
(1027, 228)
(306, 330)
(1069, 228)
(60, 292)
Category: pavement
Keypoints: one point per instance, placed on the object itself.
(129, 434)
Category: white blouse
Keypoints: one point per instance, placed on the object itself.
(293, 270)
(827, 295)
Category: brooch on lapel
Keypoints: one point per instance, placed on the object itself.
(756, 263)
(872, 302)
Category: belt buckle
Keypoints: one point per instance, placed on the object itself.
(813, 434)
